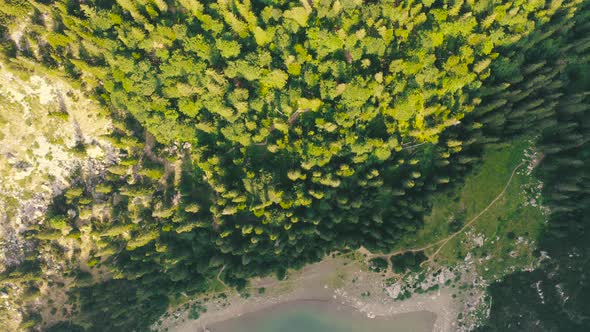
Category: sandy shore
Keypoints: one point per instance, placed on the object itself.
(338, 281)
(322, 316)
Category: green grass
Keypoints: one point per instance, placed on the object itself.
(214, 286)
(508, 215)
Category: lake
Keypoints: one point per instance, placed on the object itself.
(323, 316)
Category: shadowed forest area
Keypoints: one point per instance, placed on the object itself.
(254, 137)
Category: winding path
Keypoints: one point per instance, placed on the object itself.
(219, 276)
(369, 255)
(444, 241)
(474, 219)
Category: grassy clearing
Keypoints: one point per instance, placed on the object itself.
(502, 239)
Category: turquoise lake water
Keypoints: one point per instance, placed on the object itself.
(323, 317)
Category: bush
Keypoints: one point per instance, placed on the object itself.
(409, 261)
(378, 264)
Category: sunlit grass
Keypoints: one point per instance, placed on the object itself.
(500, 227)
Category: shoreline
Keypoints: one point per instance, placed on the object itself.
(333, 282)
(337, 314)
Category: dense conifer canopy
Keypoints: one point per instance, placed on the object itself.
(256, 136)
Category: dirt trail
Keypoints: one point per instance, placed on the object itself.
(219, 277)
(474, 219)
(308, 272)
(444, 241)
(370, 255)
